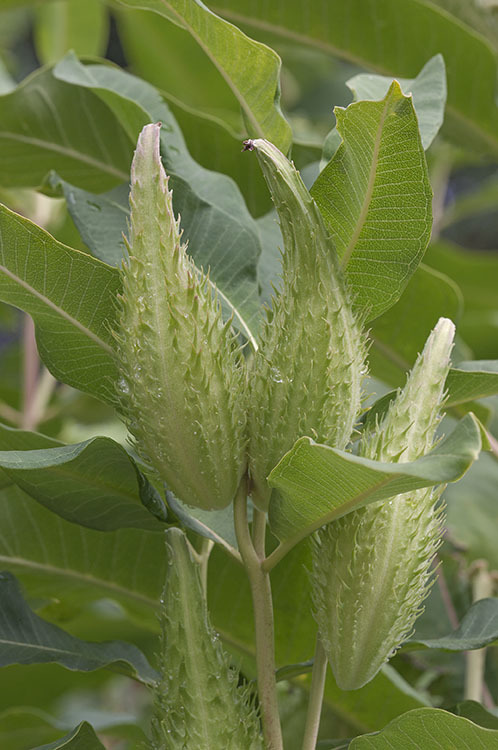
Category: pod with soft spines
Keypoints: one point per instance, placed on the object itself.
(306, 376)
(372, 568)
(199, 704)
(182, 374)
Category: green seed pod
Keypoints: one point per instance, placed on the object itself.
(199, 705)
(307, 374)
(182, 374)
(372, 568)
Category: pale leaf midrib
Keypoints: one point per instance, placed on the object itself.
(347, 55)
(80, 577)
(360, 223)
(228, 80)
(60, 311)
(69, 152)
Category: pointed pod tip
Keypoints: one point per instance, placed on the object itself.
(147, 153)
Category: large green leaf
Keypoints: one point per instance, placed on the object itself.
(428, 728)
(375, 198)
(476, 713)
(478, 628)
(394, 39)
(47, 124)
(27, 639)
(472, 511)
(317, 483)
(475, 272)
(76, 565)
(221, 233)
(250, 69)
(95, 483)
(21, 728)
(81, 738)
(472, 380)
(428, 90)
(71, 297)
(197, 95)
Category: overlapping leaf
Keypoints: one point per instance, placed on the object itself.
(81, 738)
(399, 334)
(46, 124)
(429, 728)
(394, 39)
(71, 297)
(251, 70)
(55, 558)
(317, 483)
(95, 483)
(428, 90)
(221, 233)
(478, 628)
(375, 198)
(27, 639)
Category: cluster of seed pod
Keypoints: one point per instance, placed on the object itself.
(202, 415)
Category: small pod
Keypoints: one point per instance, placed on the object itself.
(307, 374)
(199, 705)
(182, 374)
(372, 568)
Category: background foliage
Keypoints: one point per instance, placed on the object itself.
(78, 80)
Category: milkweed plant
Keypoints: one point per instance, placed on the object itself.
(255, 434)
(216, 418)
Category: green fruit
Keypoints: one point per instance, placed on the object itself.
(199, 705)
(306, 376)
(372, 568)
(182, 374)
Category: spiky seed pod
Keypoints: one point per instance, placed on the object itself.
(199, 705)
(372, 568)
(307, 374)
(182, 374)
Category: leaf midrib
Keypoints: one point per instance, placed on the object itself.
(356, 59)
(69, 152)
(80, 577)
(59, 310)
(370, 188)
(228, 80)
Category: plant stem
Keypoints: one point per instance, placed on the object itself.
(482, 587)
(316, 697)
(259, 532)
(263, 620)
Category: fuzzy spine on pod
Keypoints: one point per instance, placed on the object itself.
(182, 374)
(306, 376)
(199, 705)
(371, 569)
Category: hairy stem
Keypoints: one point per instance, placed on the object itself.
(259, 582)
(316, 697)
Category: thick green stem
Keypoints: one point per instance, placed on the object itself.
(263, 620)
(316, 697)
